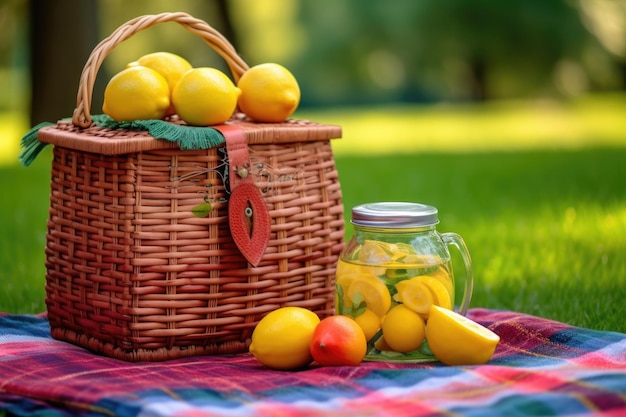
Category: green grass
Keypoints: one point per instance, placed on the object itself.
(536, 189)
(24, 207)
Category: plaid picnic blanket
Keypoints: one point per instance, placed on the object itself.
(541, 367)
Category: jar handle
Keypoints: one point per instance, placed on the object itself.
(453, 239)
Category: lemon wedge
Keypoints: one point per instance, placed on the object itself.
(456, 340)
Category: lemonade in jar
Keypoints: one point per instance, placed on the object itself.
(395, 266)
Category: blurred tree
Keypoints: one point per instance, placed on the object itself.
(606, 19)
(62, 35)
(507, 47)
(447, 49)
(224, 15)
(10, 20)
(13, 55)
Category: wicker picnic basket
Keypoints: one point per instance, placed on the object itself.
(133, 272)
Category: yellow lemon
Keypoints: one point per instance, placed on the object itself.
(441, 296)
(136, 93)
(369, 323)
(269, 93)
(415, 295)
(456, 340)
(396, 251)
(443, 276)
(346, 274)
(381, 344)
(170, 66)
(345, 269)
(205, 96)
(346, 302)
(373, 291)
(282, 339)
(403, 329)
(419, 293)
(374, 252)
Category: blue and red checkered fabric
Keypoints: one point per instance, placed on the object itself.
(541, 367)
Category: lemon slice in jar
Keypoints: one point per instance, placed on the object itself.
(373, 292)
(441, 295)
(414, 295)
(443, 276)
(373, 253)
(419, 293)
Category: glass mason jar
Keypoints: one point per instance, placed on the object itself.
(395, 266)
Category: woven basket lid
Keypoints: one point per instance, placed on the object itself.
(117, 141)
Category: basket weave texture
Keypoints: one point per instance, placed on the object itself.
(133, 273)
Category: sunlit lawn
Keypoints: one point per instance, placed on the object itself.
(536, 189)
(12, 126)
(500, 126)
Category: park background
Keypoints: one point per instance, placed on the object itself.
(510, 117)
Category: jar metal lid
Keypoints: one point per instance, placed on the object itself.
(394, 215)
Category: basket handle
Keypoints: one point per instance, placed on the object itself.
(82, 116)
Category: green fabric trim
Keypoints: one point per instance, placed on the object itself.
(187, 137)
(31, 147)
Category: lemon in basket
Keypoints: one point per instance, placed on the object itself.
(205, 96)
(282, 339)
(456, 340)
(136, 93)
(170, 66)
(269, 93)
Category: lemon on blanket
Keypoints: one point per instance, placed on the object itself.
(456, 340)
(282, 339)
(136, 93)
